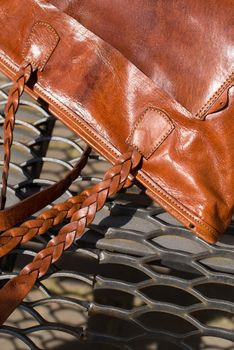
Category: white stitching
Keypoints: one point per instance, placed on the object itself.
(201, 113)
(164, 136)
(50, 49)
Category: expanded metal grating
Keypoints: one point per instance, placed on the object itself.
(136, 280)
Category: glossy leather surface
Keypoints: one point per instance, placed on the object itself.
(184, 46)
(102, 96)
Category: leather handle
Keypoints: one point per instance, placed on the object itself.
(11, 108)
(12, 294)
(37, 50)
(19, 212)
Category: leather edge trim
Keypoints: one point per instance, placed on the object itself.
(156, 145)
(67, 117)
(176, 209)
(53, 42)
(201, 114)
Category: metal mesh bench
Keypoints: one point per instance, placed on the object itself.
(136, 280)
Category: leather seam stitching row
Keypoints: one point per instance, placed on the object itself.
(201, 113)
(76, 117)
(163, 137)
(54, 101)
(29, 41)
(168, 196)
(165, 195)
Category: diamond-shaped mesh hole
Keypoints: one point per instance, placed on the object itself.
(123, 273)
(165, 321)
(170, 295)
(218, 263)
(209, 343)
(112, 326)
(154, 344)
(168, 267)
(215, 318)
(216, 291)
(116, 298)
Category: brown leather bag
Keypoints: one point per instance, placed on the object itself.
(149, 85)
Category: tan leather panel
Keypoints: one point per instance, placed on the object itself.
(98, 93)
(185, 46)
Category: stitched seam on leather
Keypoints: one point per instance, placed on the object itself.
(44, 92)
(168, 196)
(163, 137)
(51, 48)
(163, 193)
(65, 109)
(175, 202)
(201, 113)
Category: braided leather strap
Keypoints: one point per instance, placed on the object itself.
(17, 288)
(49, 218)
(12, 105)
(41, 224)
(20, 211)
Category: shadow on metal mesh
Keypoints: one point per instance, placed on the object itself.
(137, 279)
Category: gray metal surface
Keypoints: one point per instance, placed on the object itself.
(137, 279)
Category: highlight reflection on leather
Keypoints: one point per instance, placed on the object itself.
(185, 46)
(184, 53)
